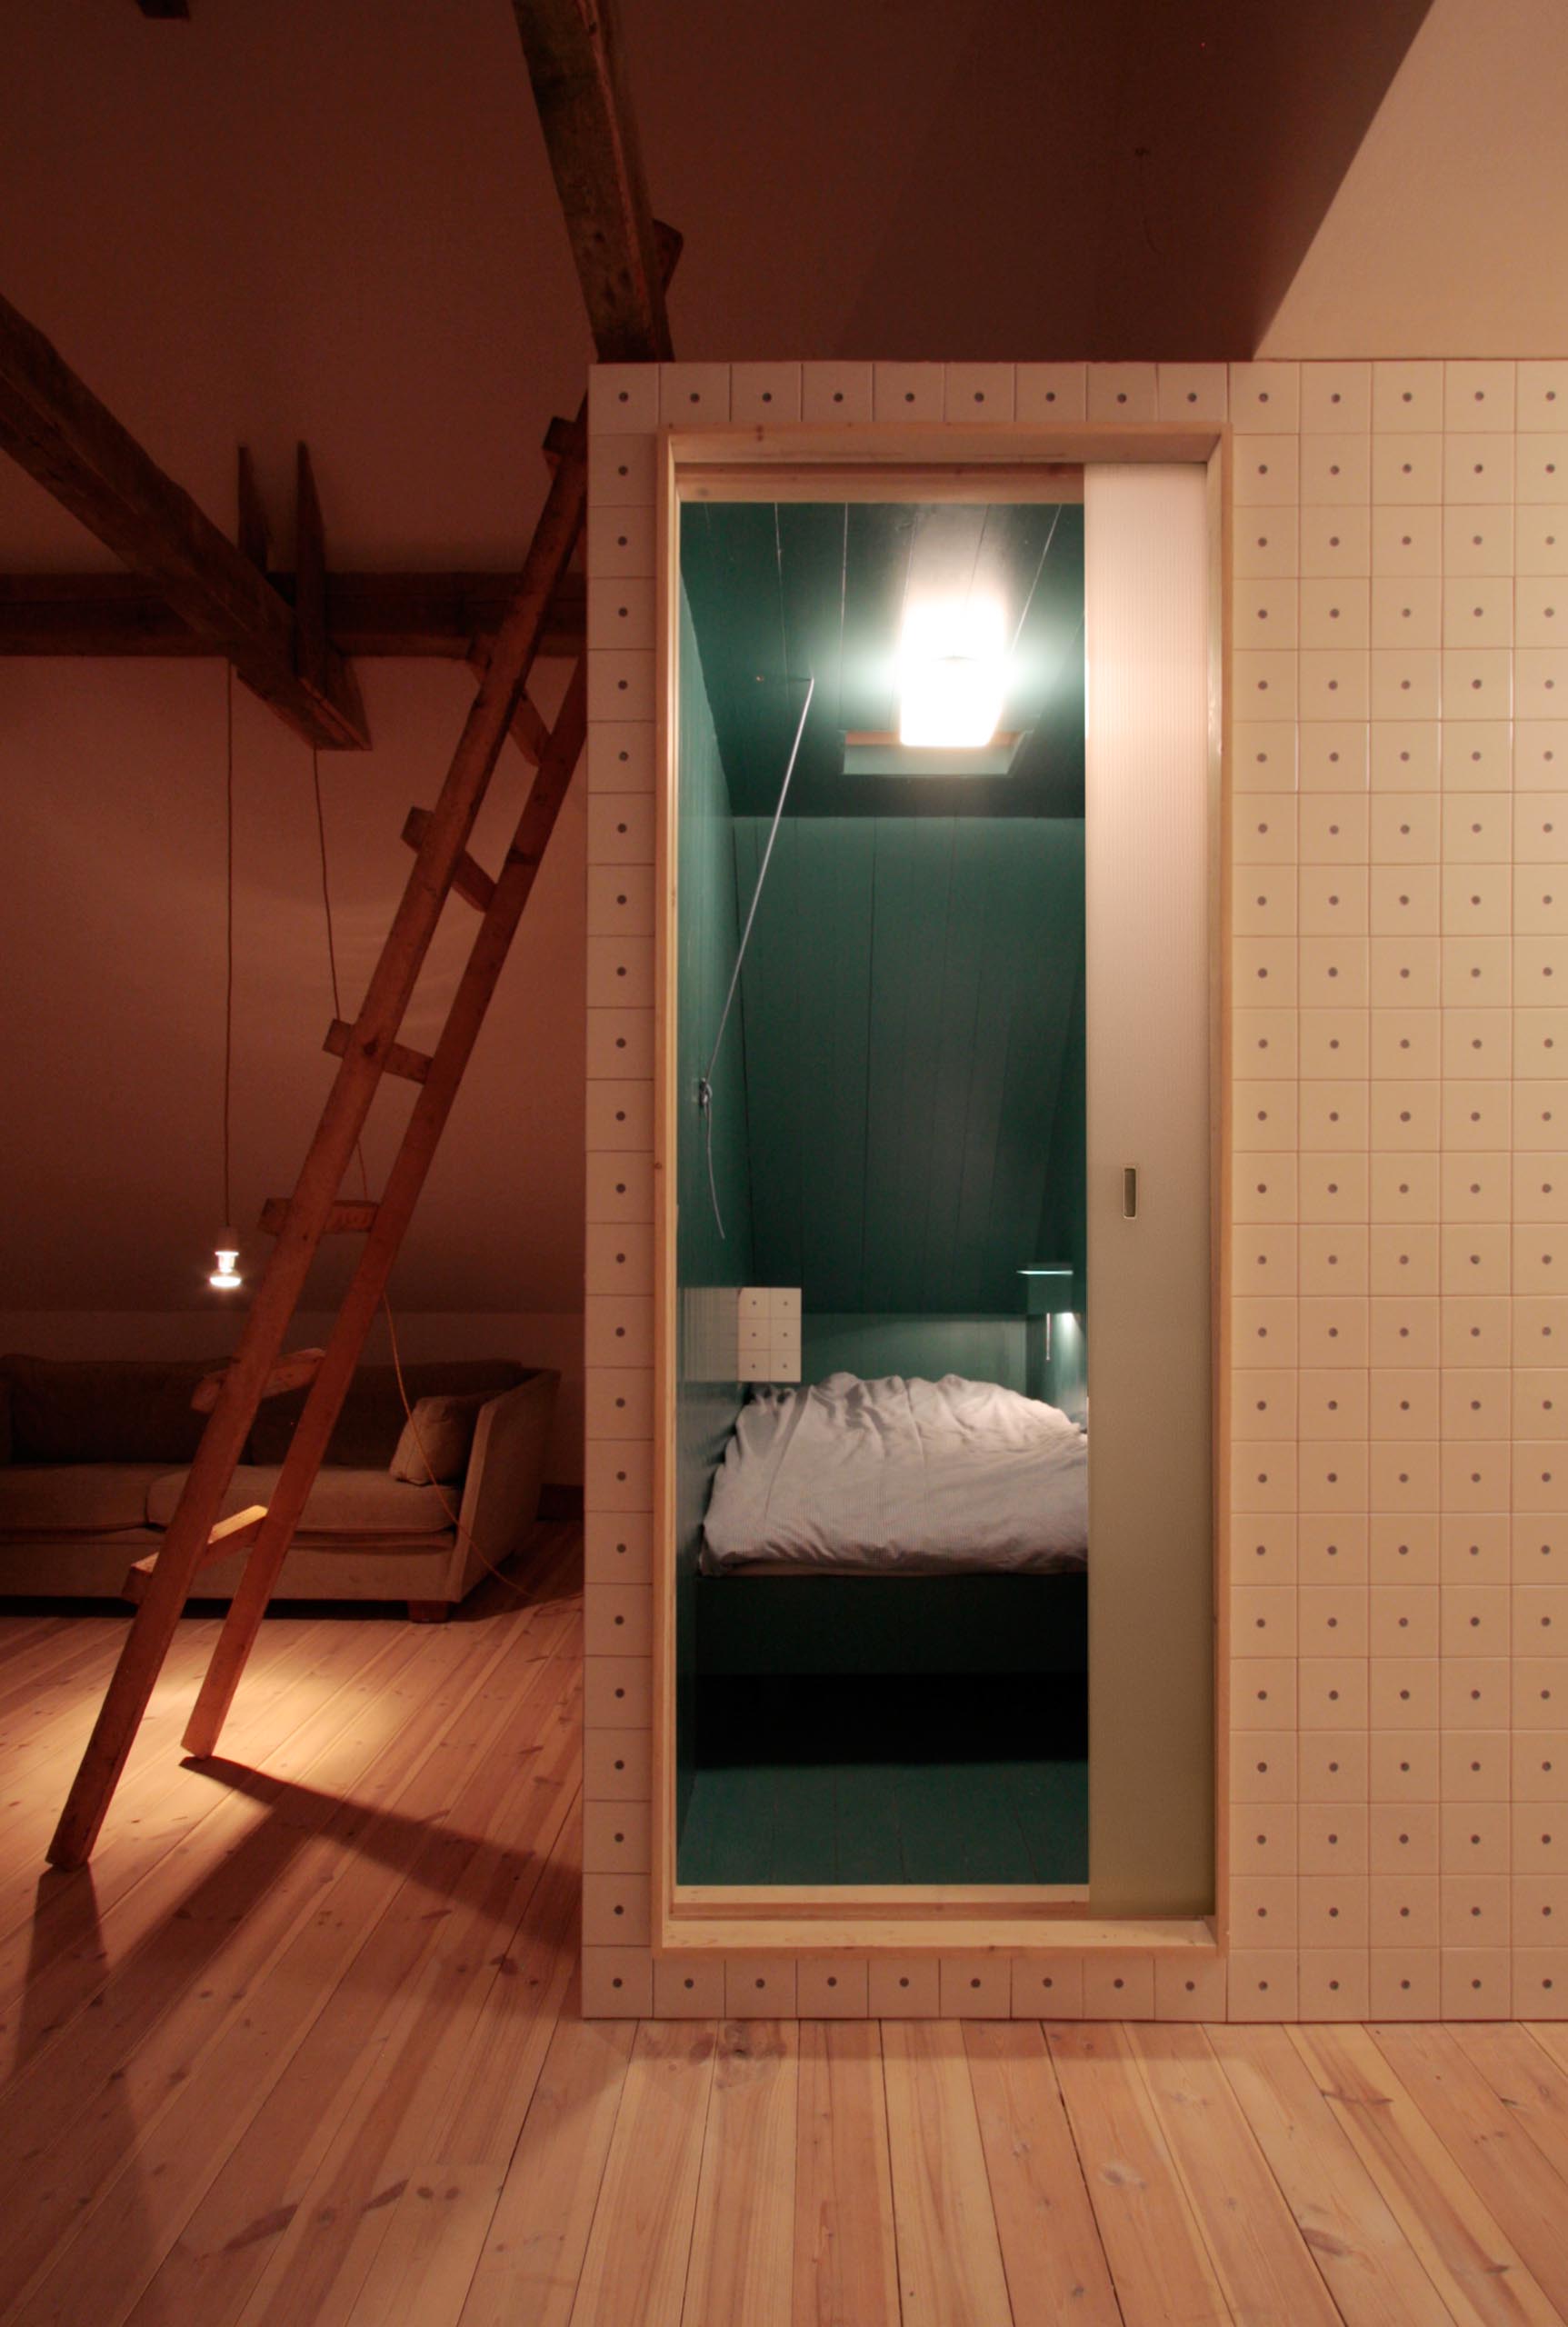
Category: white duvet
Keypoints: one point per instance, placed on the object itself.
(896, 1474)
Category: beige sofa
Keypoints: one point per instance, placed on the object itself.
(92, 1456)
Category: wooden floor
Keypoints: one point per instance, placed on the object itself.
(302, 2047)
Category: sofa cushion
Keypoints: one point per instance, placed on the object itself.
(74, 1498)
(69, 1410)
(348, 1502)
(372, 1420)
(438, 1439)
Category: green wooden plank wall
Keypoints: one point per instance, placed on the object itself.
(913, 1013)
(984, 1349)
(708, 934)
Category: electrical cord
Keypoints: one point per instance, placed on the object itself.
(465, 1535)
(228, 941)
(705, 1080)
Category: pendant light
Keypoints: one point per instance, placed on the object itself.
(226, 1277)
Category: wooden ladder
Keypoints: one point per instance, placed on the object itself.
(367, 1050)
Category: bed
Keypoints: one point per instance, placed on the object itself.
(969, 1500)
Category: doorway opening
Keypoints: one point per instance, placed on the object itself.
(880, 1249)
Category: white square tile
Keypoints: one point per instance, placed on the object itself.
(1336, 470)
(1265, 614)
(1477, 470)
(763, 393)
(620, 611)
(689, 1987)
(1541, 401)
(1540, 611)
(1406, 396)
(1265, 542)
(1541, 469)
(1193, 391)
(619, 540)
(1335, 541)
(1478, 541)
(1266, 397)
(1478, 396)
(1335, 398)
(1541, 534)
(622, 399)
(620, 755)
(693, 394)
(908, 391)
(622, 473)
(1406, 610)
(1124, 392)
(1407, 470)
(1407, 541)
(1478, 610)
(1048, 393)
(1264, 473)
(836, 392)
(979, 392)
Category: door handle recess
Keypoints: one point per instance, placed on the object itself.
(1129, 1192)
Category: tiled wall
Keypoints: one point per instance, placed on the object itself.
(1399, 1527)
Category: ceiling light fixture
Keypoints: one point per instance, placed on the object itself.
(951, 660)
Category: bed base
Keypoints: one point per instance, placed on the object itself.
(807, 1624)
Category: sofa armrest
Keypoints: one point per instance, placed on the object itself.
(506, 1472)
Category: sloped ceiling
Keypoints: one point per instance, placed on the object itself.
(333, 220)
(1450, 232)
(1000, 178)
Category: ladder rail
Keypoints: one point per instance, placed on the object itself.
(392, 982)
(399, 1195)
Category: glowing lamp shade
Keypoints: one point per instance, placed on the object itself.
(226, 1277)
(951, 672)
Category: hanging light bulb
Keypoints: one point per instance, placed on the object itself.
(226, 1277)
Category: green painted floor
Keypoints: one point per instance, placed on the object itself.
(888, 1781)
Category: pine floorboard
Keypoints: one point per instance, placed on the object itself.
(303, 2046)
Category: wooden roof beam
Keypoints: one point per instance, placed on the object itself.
(57, 428)
(576, 64)
(414, 614)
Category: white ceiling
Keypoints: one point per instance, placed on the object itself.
(1449, 234)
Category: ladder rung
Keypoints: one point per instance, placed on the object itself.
(396, 1058)
(471, 880)
(232, 1535)
(344, 1219)
(290, 1372)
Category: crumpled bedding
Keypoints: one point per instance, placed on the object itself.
(900, 1476)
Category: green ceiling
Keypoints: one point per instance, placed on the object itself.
(779, 590)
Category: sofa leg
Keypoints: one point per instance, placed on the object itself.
(429, 1611)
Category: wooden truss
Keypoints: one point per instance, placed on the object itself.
(623, 260)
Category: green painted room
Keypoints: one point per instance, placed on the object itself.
(881, 1139)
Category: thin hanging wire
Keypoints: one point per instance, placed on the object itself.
(331, 941)
(325, 887)
(705, 1080)
(1039, 570)
(228, 937)
(441, 1497)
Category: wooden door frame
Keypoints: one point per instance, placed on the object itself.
(925, 462)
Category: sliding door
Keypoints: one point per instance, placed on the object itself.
(1150, 814)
